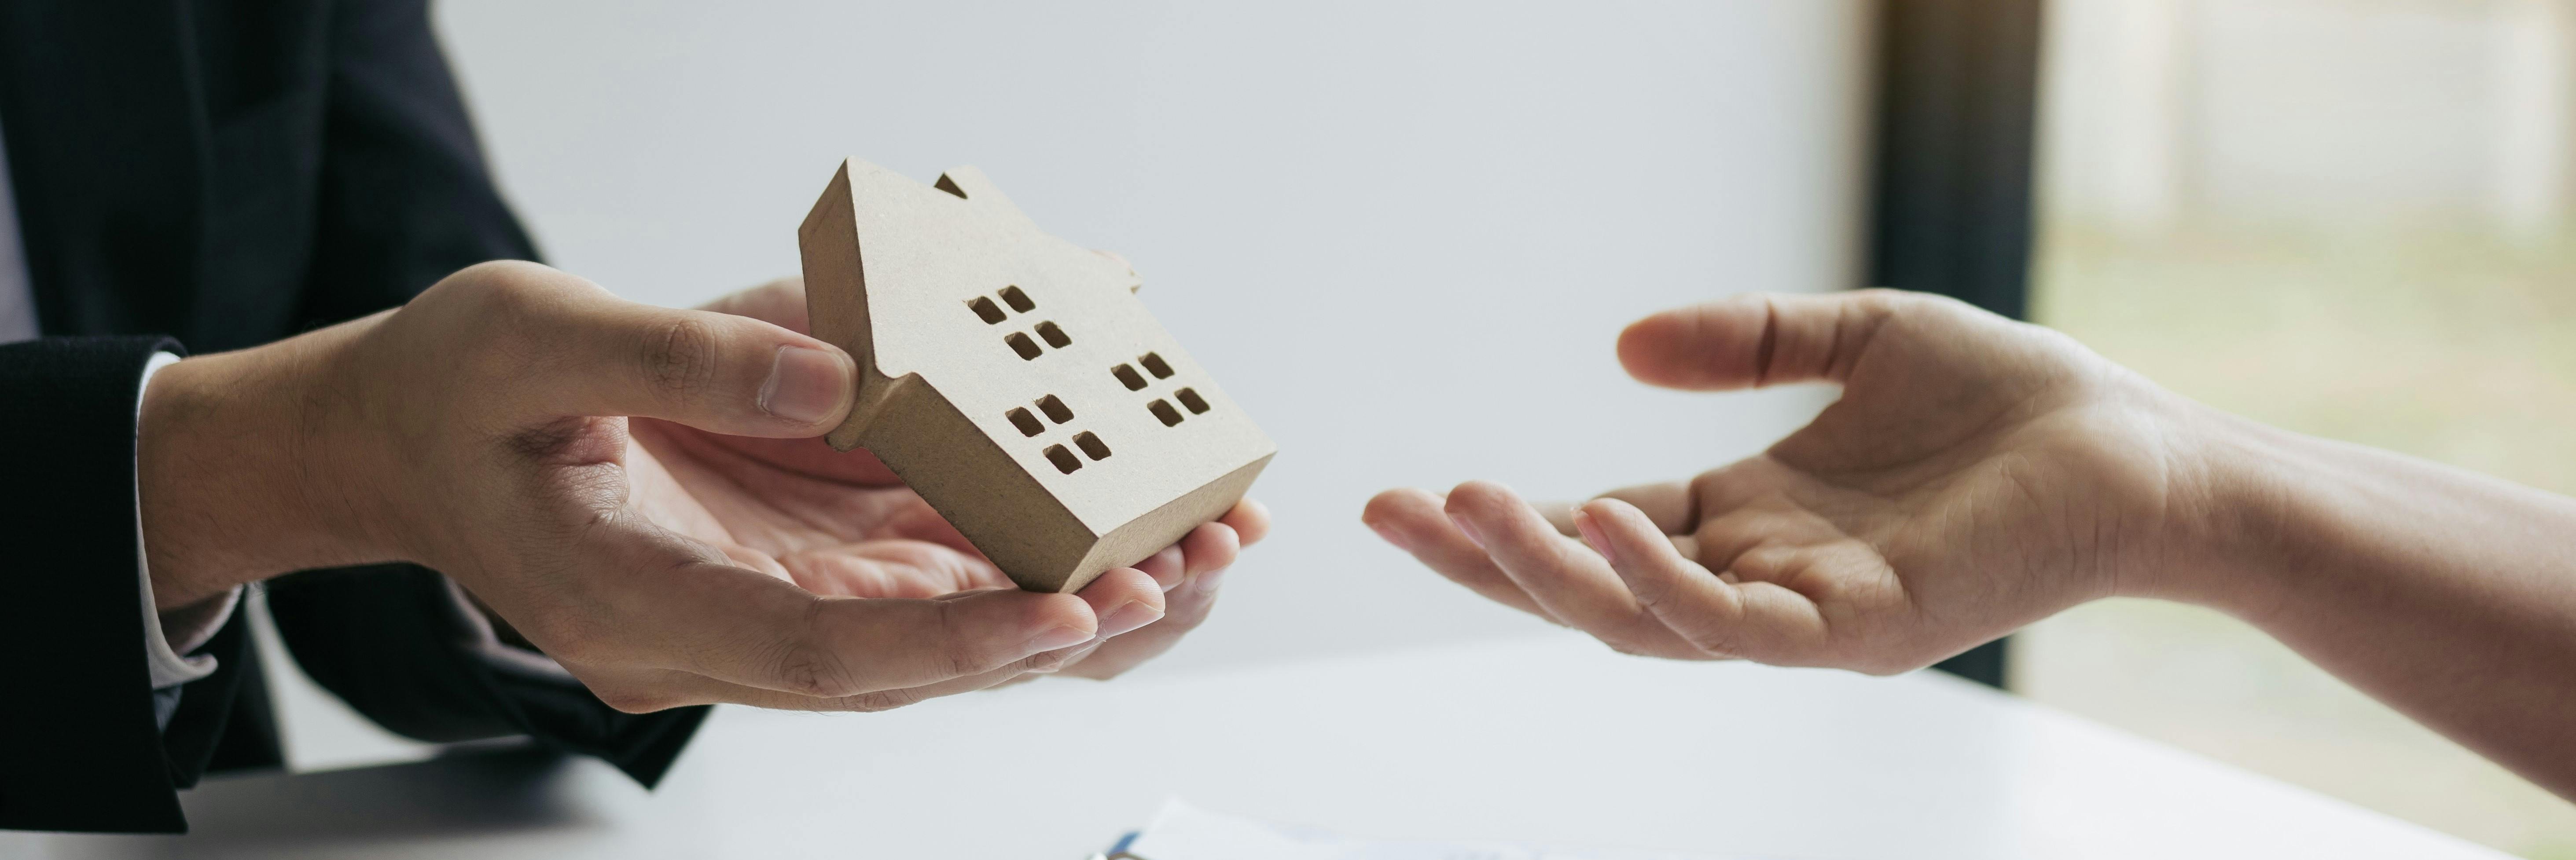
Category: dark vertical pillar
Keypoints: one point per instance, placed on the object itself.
(1950, 203)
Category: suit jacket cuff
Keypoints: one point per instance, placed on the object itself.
(400, 645)
(80, 747)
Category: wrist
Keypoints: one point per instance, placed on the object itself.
(223, 446)
(2238, 518)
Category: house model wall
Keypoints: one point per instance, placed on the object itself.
(1014, 380)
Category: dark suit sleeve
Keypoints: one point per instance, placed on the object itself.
(405, 196)
(79, 746)
(406, 199)
(395, 643)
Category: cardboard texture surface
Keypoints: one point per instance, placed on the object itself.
(1014, 380)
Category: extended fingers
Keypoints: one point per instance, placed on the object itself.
(1124, 599)
(1571, 582)
(1414, 521)
(1188, 606)
(1166, 567)
(890, 568)
(1206, 552)
(858, 645)
(1714, 613)
(1126, 602)
(653, 600)
(1671, 504)
(1210, 547)
(893, 673)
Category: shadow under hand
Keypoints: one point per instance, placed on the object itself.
(479, 791)
(457, 797)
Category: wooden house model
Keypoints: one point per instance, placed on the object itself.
(1014, 380)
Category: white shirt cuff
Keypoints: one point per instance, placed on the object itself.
(166, 637)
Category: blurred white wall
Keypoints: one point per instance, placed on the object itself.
(2329, 111)
(1403, 234)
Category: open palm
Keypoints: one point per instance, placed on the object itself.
(842, 524)
(1976, 475)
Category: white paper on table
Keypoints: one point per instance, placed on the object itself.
(1184, 832)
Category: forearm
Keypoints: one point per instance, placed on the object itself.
(225, 458)
(2449, 595)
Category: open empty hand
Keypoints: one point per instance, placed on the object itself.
(1976, 475)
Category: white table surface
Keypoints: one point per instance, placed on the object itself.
(1551, 739)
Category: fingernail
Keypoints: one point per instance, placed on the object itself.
(1472, 536)
(1128, 616)
(1389, 535)
(805, 385)
(1208, 581)
(1061, 637)
(1592, 535)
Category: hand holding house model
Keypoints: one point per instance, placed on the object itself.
(1013, 379)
